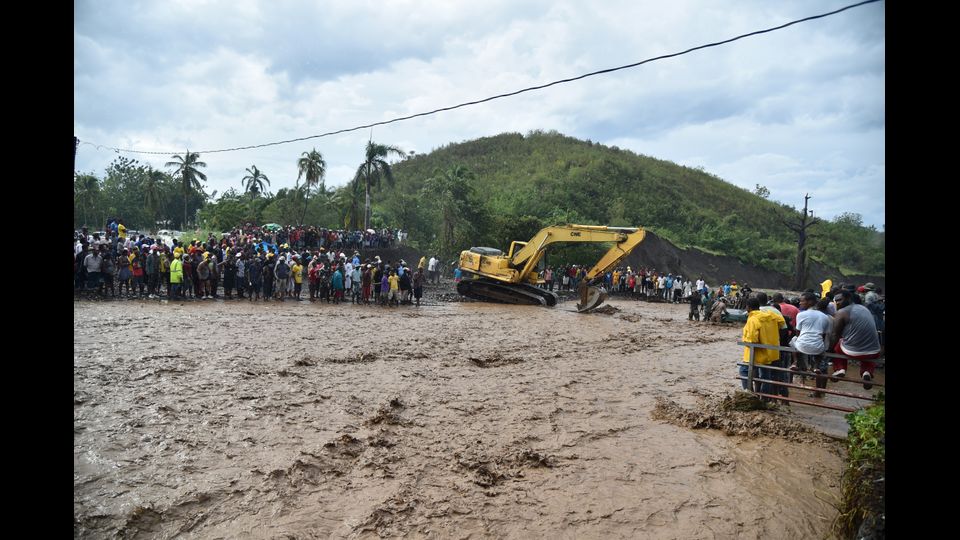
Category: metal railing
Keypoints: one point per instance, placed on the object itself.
(751, 379)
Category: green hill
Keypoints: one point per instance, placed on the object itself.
(521, 183)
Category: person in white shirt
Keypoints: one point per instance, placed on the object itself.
(432, 268)
(813, 328)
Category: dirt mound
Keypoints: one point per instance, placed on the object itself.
(736, 415)
(659, 253)
(606, 310)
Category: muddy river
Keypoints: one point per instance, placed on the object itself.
(453, 420)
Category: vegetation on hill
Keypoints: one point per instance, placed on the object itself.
(493, 190)
(521, 183)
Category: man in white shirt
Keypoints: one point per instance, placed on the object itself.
(813, 329)
(432, 268)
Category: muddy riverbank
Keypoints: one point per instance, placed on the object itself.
(215, 419)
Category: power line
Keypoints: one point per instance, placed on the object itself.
(508, 94)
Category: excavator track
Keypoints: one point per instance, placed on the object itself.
(489, 290)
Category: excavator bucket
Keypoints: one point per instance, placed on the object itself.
(595, 297)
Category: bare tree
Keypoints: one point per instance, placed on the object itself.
(800, 227)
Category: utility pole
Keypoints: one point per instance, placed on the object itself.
(800, 228)
(76, 143)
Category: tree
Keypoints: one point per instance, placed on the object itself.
(800, 228)
(762, 191)
(253, 182)
(850, 218)
(86, 189)
(314, 168)
(348, 200)
(449, 190)
(373, 169)
(188, 176)
(152, 194)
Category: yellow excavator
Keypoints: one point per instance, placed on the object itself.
(491, 276)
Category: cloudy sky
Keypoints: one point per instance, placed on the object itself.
(797, 110)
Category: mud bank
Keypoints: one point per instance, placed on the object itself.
(462, 420)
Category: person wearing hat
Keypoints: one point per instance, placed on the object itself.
(297, 274)
(406, 284)
(267, 276)
(176, 276)
(203, 274)
(871, 296)
(241, 274)
(164, 267)
(189, 276)
(355, 281)
(282, 273)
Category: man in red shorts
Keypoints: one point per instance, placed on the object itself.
(854, 334)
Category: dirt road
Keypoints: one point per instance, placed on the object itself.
(453, 420)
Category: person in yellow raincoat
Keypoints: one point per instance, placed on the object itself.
(826, 286)
(761, 327)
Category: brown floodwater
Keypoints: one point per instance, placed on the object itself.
(223, 419)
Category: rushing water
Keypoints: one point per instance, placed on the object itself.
(232, 420)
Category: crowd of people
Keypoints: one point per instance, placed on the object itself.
(846, 320)
(247, 263)
(640, 283)
(312, 238)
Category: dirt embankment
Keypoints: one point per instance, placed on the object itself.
(242, 420)
(661, 254)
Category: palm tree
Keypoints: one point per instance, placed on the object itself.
(253, 182)
(348, 200)
(314, 168)
(373, 169)
(152, 184)
(188, 174)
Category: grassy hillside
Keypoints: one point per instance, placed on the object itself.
(521, 183)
